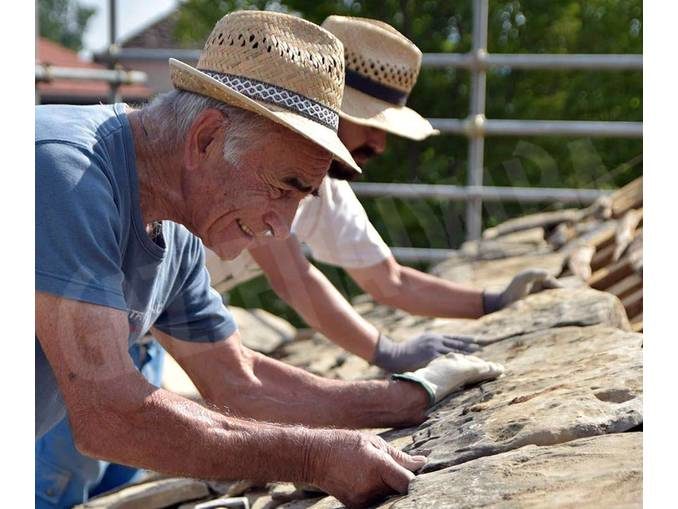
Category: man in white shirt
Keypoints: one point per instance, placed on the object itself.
(381, 69)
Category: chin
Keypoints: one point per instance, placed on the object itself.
(228, 251)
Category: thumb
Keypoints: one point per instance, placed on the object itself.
(395, 476)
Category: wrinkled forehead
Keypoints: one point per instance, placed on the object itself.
(305, 159)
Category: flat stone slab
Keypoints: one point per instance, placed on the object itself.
(602, 471)
(540, 311)
(262, 331)
(496, 274)
(559, 385)
(150, 495)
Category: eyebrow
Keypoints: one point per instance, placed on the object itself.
(300, 186)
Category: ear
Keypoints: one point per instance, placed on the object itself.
(200, 138)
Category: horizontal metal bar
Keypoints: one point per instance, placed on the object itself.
(597, 62)
(495, 127)
(417, 254)
(49, 73)
(408, 254)
(603, 62)
(486, 193)
(154, 54)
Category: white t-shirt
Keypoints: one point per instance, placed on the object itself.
(335, 227)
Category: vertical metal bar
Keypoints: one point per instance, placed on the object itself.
(37, 46)
(114, 94)
(476, 146)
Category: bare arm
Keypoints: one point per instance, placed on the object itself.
(249, 384)
(308, 291)
(417, 292)
(115, 414)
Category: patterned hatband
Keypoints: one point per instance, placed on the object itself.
(273, 94)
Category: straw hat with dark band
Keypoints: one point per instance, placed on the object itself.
(382, 66)
(279, 66)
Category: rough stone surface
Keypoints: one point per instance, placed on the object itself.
(603, 471)
(261, 330)
(496, 274)
(150, 495)
(559, 385)
(541, 311)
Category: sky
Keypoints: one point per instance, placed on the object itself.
(132, 15)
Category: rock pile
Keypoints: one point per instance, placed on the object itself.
(561, 428)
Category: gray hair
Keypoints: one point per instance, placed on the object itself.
(174, 112)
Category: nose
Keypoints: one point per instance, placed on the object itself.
(377, 140)
(279, 219)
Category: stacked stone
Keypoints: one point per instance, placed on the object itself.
(561, 428)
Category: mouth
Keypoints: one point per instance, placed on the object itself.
(245, 229)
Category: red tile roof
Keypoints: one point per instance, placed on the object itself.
(52, 53)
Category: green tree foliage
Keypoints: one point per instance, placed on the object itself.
(64, 21)
(516, 26)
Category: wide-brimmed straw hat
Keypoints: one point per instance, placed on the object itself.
(279, 66)
(382, 66)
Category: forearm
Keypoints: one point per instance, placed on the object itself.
(427, 295)
(291, 395)
(416, 292)
(326, 310)
(166, 433)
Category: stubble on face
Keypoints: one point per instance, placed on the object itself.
(363, 142)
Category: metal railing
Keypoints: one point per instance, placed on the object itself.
(475, 126)
(114, 76)
(47, 73)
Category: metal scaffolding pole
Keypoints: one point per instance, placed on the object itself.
(114, 76)
(604, 62)
(37, 45)
(485, 193)
(491, 127)
(114, 95)
(476, 145)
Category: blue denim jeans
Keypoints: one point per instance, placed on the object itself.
(63, 476)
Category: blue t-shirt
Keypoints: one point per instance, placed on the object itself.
(92, 245)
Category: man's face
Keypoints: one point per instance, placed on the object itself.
(233, 206)
(364, 143)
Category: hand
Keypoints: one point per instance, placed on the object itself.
(418, 351)
(524, 283)
(360, 468)
(447, 374)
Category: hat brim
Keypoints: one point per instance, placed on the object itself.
(189, 78)
(364, 109)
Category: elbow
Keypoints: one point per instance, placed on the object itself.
(99, 419)
(87, 437)
(289, 288)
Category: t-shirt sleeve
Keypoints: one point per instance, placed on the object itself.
(77, 227)
(336, 228)
(196, 311)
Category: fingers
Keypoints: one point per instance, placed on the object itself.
(549, 283)
(412, 463)
(455, 344)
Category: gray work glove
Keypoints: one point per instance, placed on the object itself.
(524, 283)
(418, 351)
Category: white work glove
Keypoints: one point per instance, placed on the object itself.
(418, 351)
(524, 283)
(446, 374)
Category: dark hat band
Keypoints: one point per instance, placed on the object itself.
(375, 89)
(273, 94)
